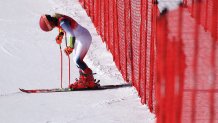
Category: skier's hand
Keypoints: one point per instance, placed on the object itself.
(68, 50)
(59, 38)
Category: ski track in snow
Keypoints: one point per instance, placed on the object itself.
(111, 101)
(7, 51)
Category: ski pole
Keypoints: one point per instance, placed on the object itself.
(61, 54)
(68, 59)
(69, 68)
(61, 65)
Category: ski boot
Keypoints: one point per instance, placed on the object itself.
(86, 80)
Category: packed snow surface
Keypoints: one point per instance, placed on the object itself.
(30, 58)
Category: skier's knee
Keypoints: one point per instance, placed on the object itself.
(80, 63)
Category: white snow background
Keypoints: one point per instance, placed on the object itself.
(30, 58)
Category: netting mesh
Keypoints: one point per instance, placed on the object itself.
(121, 36)
(187, 82)
(170, 58)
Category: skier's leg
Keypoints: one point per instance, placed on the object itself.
(79, 55)
(86, 79)
(82, 44)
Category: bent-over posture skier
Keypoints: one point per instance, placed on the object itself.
(79, 45)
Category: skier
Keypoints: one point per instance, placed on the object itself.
(79, 45)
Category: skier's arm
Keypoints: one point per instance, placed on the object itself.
(66, 27)
(72, 41)
(59, 37)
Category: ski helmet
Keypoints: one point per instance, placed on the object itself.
(44, 23)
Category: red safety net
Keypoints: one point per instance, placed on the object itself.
(127, 27)
(170, 58)
(208, 16)
(187, 57)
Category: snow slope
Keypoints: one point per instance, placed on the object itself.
(30, 58)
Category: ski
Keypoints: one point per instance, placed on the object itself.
(46, 90)
(52, 90)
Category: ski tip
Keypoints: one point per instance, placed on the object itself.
(23, 90)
